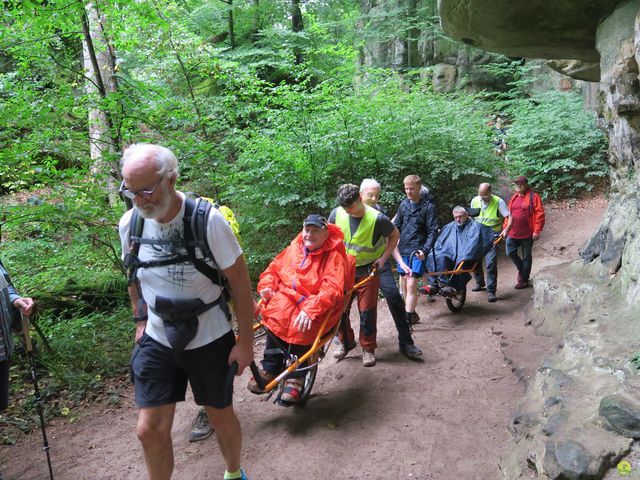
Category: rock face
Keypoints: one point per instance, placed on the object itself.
(448, 64)
(582, 410)
(535, 28)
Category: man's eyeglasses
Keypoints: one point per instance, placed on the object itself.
(140, 193)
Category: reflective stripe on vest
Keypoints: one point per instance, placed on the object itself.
(361, 245)
(489, 216)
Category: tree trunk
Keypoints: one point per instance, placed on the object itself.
(413, 35)
(255, 26)
(99, 62)
(297, 25)
(232, 34)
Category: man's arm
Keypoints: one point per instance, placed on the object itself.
(238, 276)
(136, 308)
(392, 243)
(505, 231)
(538, 216)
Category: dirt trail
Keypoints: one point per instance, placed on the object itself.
(445, 418)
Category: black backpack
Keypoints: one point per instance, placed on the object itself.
(196, 217)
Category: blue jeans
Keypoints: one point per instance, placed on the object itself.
(395, 302)
(491, 260)
(522, 264)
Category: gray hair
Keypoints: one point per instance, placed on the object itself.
(165, 159)
(369, 183)
(459, 209)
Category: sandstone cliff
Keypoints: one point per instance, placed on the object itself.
(582, 411)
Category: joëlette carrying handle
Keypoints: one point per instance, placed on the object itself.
(231, 374)
(228, 387)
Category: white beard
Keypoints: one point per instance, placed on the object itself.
(154, 212)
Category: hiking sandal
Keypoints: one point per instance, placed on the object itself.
(291, 391)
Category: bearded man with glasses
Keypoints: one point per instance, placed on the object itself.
(183, 333)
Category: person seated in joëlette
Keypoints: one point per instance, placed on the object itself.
(300, 287)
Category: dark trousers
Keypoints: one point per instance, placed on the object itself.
(274, 358)
(523, 264)
(395, 302)
(491, 260)
(4, 385)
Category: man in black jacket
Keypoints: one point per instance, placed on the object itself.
(417, 221)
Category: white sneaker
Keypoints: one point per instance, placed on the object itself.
(368, 358)
(340, 352)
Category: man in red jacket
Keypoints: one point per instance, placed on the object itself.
(301, 286)
(528, 221)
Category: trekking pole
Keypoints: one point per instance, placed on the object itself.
(36, 390)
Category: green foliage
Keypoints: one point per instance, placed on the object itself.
(292, 163)
(63, 250)
(553, 141)
(35, 92)
(86, 346)
(269, 137)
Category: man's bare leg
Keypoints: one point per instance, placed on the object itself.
(229, 435)
(154, 432)
(411, 298)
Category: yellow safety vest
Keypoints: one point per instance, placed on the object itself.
(489, 216)
(361, 244)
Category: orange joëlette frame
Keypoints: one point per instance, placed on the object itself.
(321, 338)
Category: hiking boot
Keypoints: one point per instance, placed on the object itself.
(266, 378)
(491, 297)
(478, 288)
(368, 358)
(411, 351)
(200, 428)
(413, 318)
(521, 283)
(340, 352)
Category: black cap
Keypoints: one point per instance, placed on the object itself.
(316, 220)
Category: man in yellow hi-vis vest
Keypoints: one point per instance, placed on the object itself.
(369, 236)
(493, 211)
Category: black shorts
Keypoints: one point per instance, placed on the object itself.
(160, 376)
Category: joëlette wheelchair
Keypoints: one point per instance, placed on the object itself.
(309, 361)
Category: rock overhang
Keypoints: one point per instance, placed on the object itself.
(528, 28)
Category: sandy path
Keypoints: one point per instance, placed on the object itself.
(445, 418)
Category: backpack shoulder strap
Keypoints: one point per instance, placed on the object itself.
(136, 226)
(196, 218)
(131, 260)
